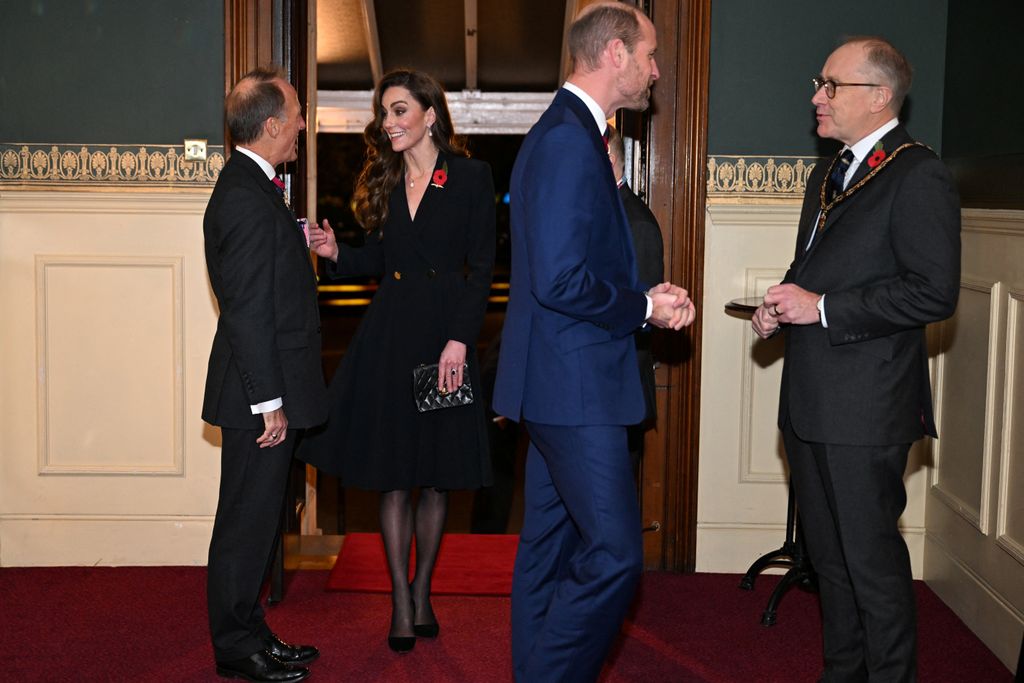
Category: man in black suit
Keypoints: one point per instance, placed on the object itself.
(264, 382)
(650, 262)
(877, 259)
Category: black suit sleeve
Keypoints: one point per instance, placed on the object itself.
(480, 240)
(647, 242)
(650, 254)
(925, 238)
(364, 261)
(247, 256)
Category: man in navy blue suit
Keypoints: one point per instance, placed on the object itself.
(568, 367)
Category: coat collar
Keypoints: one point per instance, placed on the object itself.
(253, 171)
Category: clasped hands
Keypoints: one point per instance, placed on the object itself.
(786, 303)
(673, 308)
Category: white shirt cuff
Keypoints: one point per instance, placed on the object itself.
(821, 310)
(650, 306)
(267, 406)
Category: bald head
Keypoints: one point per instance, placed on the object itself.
(257, 96)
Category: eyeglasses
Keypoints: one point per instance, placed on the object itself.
(830, 86)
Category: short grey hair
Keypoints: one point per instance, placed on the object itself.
(598, 24)
(890, 64)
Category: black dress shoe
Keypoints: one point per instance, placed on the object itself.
(261, 666)
(291, 654)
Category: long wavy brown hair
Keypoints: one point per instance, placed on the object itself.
(384, 167)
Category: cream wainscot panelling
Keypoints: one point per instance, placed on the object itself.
(974, 547)
(108, 318)
(752, 214)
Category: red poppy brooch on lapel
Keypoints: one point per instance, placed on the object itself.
(877, 156)
(440, 176)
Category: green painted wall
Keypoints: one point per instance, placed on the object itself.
(126, 72)
(764, 53)
(983, 122)
(984, 94)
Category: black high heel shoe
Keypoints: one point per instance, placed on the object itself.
(403, 644)
(424, 630)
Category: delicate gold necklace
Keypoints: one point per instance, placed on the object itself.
(413, 179)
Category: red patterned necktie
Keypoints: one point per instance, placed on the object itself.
(279, 184)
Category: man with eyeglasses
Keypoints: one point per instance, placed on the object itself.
(877, 259)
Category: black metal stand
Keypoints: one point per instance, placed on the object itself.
(791, 555)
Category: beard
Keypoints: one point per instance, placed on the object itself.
(635, 90)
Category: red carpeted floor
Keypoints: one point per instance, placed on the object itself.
(467, 564)
(149, 624)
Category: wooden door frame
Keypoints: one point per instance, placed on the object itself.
(676, 152)
(282, 33)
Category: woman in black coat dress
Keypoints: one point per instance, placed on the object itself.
(429, 212)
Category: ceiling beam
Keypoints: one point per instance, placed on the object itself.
(372, 39)
(473, 112)
(471, 45)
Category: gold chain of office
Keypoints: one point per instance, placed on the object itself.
(848, 192)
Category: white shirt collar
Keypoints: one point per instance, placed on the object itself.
(595, 109)
(263, 163)
(862, 148)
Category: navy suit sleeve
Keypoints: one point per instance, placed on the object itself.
(925, 237)
(247, 257)
(560, 220)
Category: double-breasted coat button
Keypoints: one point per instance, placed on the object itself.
(398, 275)
(431, 273)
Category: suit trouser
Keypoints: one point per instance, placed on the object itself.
(849, 499)
(580, 552)
(252, 490)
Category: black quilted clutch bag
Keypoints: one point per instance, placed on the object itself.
(426, 395)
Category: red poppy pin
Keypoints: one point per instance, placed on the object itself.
(876, 157)
(440, 176)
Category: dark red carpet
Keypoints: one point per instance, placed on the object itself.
(467, 564)
(149, 624)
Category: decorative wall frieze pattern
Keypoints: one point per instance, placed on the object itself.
(106, 166)
(744, 176)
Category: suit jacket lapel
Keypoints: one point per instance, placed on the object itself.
(890, 141)
(260, 179)
(429, 198)
(586, 119)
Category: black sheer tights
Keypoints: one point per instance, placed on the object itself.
(397, 525)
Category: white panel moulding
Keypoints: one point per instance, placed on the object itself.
(473, 112)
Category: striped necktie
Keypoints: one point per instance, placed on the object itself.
(837, 178)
